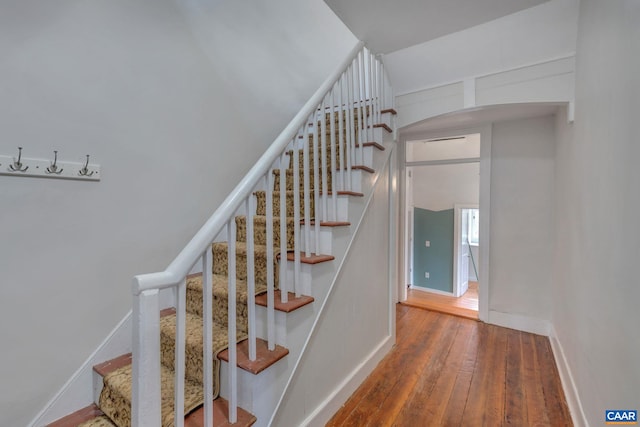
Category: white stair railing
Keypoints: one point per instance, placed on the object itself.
(354, 96)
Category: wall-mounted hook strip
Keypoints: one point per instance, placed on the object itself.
(85, 170)
(16, 166)
(48, 168)
(54, 165)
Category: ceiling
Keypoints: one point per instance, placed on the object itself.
(475, 117)
(387, 26)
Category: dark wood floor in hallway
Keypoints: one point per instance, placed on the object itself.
(450, 371)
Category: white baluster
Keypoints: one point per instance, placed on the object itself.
(341, 139)
(207, 325)
(351, 123)
(233, 364)
(180, 293)
(332, 126)
(284, 295)
(271, 320)
(251, 278)
(378, 91)
(306, 190)
(322, 160)
(316, 183)
(361, 113)
(296, 220)
(371, 95)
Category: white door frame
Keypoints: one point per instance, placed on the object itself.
(457, 208)
(484, 281)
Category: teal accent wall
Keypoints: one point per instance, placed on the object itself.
(437, 228)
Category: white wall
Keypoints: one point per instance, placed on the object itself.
(439, 187)
(173, 113)
(595, 286)
(522, 196)
(544, 32)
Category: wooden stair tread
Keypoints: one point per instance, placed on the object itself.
(287, 307)
(344, 193)
(372, 144)
(78, 417)
(313, 259)
(363, 168)
(264, 357)
(383, 126)
(328, 223)
(389, 110)
(109, 366)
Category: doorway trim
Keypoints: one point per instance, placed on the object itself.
(457, 210)
(484, 281)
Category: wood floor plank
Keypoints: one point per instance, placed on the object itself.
(495, 388)
(515, 408)
(394, 409)
(475, 407)
(414, 409)
(556, 405)
(449, 371)
(460, 391)
(436, 403)
(536, 407)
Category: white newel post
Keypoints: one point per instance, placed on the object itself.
(146, 409)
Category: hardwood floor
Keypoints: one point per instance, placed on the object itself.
(450, 371)
(464, 306)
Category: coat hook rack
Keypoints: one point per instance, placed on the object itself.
(19, 167)
(16, 166)
(54, 165)
(85, 170)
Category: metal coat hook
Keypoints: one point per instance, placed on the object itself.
(54, 167)
(17, 164)
(85, 170)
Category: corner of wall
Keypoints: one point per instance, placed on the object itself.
(568, 385)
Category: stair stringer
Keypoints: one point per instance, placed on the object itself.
(299, 403)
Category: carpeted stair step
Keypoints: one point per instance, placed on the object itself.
(115, 399)
(356, 157)
(261, 205)
(221, 266)
(194, 347)
(312, 157)
(337, 115)
(260, 230)
(289, 179)
(220, 299)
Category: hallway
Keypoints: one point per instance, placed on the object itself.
(449, 371)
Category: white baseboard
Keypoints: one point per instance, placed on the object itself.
(568, 385)
(76, 393)
(520, 323)
(345, 389)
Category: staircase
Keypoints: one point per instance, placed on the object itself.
(269, 271)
